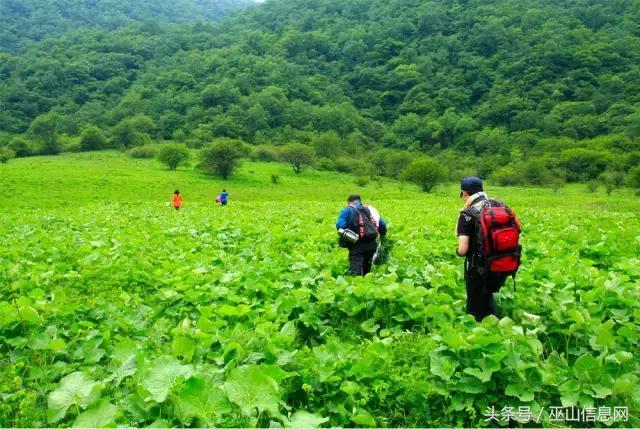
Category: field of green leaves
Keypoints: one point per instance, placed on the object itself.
(115, 310)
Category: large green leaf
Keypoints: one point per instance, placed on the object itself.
(587, 369)
(249, 388)
(364, 418)
(521, 391)
(443, 366)
(304, 419)
(604, 336)
(625, 384)
(570, 393)
(201, 400)
(104, 415)
(74, 389)
(483, 376)
(183, 347)
(30, 314)
(163, 375)
(126, 369)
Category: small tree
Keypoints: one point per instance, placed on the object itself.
(6, 154)
(361, 180)
(44, 129)
(133, 131)
(173, 155)
(424, 172)
(222, 157)
(557, 183)
(143, 152)
(396, 162)
(92, 138)
(506, 176)
(612, 180)
(633, 179)
(327, 145)
(20, 146)
(298, 155)
(535, 172)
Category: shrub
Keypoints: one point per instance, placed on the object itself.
(275, 179)
(506, 176)
(20, 146)
(325, 164)
(222, 157)
(535, 172)
(44, 130)
(298, 155)
(92, 138)
(633, 179)
(424, 172)
(396, 162)
(268, 153)
(583, 164)
(6, 154)
(343, 165)
(143, 152)
(133, 131)
(173, 155)
(612, 180)
(72, 146)
(352, 165)
(557, 183)
(361, 180)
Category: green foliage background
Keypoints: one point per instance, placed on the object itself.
(506, 80)
(117, 310)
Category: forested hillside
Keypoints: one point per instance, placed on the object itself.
(34, 20)
(550, 88)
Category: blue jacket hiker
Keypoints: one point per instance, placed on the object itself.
(359, 226)
(224, 195)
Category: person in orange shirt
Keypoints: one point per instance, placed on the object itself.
(176, 202)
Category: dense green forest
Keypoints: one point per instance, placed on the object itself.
(34, 20)
(524, 92)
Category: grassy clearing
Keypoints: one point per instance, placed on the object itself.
(168, 316)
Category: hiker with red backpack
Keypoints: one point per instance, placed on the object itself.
(488, 237)
(359, 226)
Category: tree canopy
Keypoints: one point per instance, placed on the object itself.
(482, 79)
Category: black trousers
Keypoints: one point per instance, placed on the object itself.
(480, 302)
(360, 256)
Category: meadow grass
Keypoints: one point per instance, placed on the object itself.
(98, 270)
(80, 179)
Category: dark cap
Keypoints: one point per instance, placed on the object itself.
(471, 184)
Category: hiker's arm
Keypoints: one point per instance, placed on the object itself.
(463, 245)
(382, 227)
(343, 219)
(464, 229)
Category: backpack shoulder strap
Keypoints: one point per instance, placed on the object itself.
(354, 213)
(475, 209)
(365, 210)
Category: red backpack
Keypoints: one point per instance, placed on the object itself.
(497, 242)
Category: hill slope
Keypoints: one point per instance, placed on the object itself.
(25, 20)
(504, 79)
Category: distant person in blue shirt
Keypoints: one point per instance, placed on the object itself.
(224, 195)
(359, 226)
